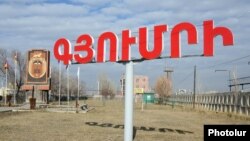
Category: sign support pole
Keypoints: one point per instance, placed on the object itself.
(128, 119)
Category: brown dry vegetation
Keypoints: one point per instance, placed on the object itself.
(40, 125)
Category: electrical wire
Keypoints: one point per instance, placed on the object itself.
(185, 78)
(227, 62)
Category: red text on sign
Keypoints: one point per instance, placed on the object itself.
(84, 43)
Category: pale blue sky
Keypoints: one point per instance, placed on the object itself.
(26, 24)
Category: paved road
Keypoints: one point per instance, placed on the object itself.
(5, 109)
(8, 109)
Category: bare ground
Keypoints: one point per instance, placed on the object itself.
(155, 123)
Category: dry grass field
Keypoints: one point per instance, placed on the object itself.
(155, 123)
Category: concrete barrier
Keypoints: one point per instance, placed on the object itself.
(221, 102)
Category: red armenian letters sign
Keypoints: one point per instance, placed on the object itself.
(84, 43)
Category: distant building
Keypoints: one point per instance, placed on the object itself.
(182, 91)
(141, 84)
(2, 91)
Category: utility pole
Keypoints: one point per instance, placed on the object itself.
(169, 72)
(194, 93)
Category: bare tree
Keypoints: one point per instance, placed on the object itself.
(21, 63)
(64, 88)
(3, 58)
(16, 60)
(73, 89)
(54, 81)
(107, 88)
(163, 88)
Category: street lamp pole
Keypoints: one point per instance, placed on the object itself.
(169, 80)
(168, 71)
(229, 77)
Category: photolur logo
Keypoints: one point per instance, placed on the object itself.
(84, 43)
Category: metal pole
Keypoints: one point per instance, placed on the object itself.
(15, 84)
(122, 86)
(59, 95)
(6, 81)
(194, 87)
(49, 91)
(128, 119)
(142, 104)
(78, 87)
(68, 84)
(78, 93)
(229, 72)
(98, 88)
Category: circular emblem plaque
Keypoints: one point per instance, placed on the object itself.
(37, 67)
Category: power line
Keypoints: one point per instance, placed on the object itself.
(227, 62)
(140, 59)
(185, 78)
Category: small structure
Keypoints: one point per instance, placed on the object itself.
(148, 97)
(2, 94)
(140, 85)
(6, 95)
(38, 76)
